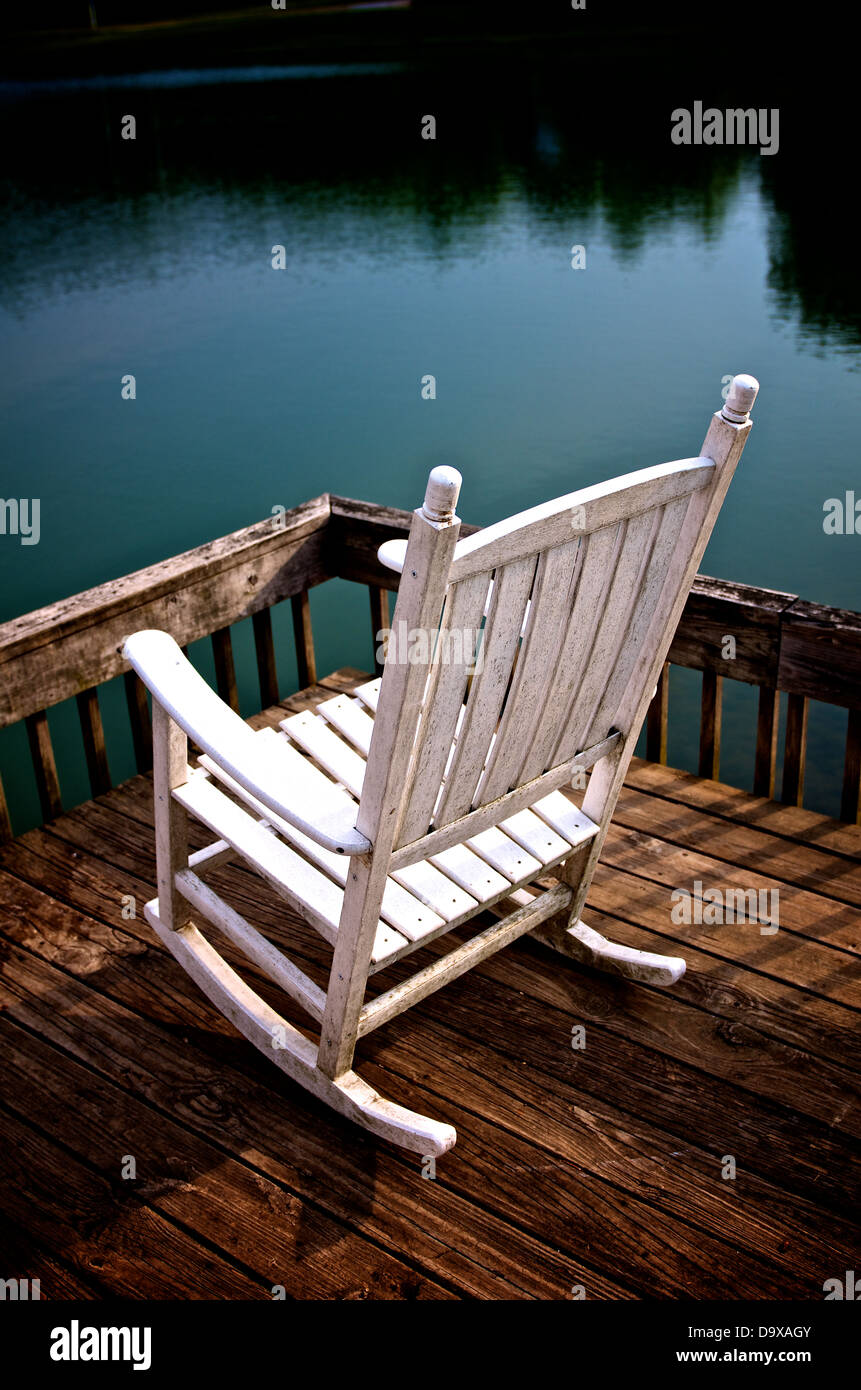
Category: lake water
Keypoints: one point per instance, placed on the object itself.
(257, 388)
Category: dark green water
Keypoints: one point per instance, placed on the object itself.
(258, 388)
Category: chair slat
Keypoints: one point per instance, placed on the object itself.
(44, 765)
(303, 636)
(564, 817)
(443, 702)
(471, 872)
(225, 669)
(327, 749)
(350, 719)
(437, 890)
(139, 719)
(369, 693)
(597, 567)
(536, 836)
(646, 592)
(614, 649)
(711, 710)
(93, 732)
(767, 723)
(403, 911)
(511, 589)
(299, 883)
(555, 581)
(505, 855)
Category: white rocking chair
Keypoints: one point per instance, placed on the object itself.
(519, 655)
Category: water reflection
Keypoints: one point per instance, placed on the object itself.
(334, 155)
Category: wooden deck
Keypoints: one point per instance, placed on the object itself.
(598, 1167)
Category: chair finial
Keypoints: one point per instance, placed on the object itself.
(739, 401)
(442, 493)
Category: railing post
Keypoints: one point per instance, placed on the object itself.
(380, 620)
(795, 750)
(225, 669)
(5, 822)
(656, 719)
(44, 765)
(710, 725)
(93, 732)
(139, 718)
(265, 649)
(850, 805)
(768, 719)
(303, 636)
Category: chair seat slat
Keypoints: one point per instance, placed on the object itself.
(369, 693)
(536, 836)
(350, 719)
(505, 855)
(472, 872)
(299, 883)
(406, 913)
(327, 749)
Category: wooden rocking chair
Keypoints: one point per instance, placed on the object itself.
(532, 650)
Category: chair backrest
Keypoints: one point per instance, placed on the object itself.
(534, 639)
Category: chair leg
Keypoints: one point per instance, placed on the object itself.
(290, 1050)
(589, 947)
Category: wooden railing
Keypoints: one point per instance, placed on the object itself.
(71, 648)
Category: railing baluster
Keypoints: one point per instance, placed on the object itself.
(265, 648)
(795, 750)
(93, 731)
(225, 669)
(710, 724)
(303, 635)
(656, 719)
(850, 805)
(767, 722)
(44, 766)
(139, 718)
(5, 822)
(380, 620)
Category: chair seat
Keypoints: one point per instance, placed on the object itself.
(421, 901)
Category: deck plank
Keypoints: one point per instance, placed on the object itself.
(219, 1087)
(598, 1167)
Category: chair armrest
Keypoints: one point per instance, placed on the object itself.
(392, 554)
(228, 740)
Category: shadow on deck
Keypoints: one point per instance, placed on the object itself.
(600, 1167)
